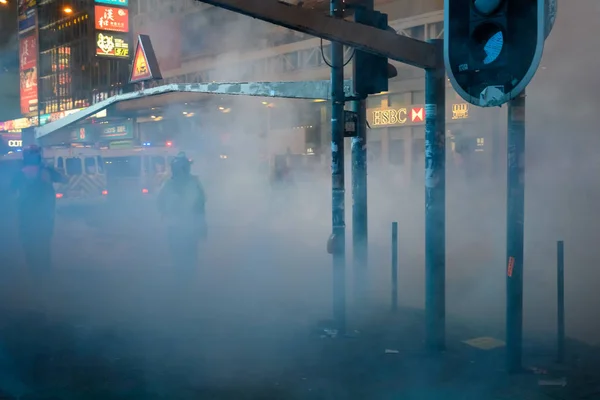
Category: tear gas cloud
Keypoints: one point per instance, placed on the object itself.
(265, 274)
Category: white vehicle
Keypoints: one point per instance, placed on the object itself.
(83, 168)
(136, 171)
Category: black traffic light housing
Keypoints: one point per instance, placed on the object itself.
(370, 73)
(493, 47)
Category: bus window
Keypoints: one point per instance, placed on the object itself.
(100, 163)
(90, 166)
(73, 165)
(60, 164)
(158, 165)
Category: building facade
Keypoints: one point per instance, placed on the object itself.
(71, 53)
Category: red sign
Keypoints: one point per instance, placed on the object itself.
(145, 66)
(417, 114)
(28, 54)
(140, 71)
(112, 19)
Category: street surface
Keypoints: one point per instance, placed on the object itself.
(115, 321)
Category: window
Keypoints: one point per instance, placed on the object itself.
(60, 164)
(158, 165)
(124, 167)
(90, 166)
(100, 162)
(74, 166)
(396, 152)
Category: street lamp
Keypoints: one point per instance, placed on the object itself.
(3, 1)
(66, 10)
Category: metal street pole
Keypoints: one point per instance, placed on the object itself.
(435, 203)
(515, 210)
(360, 221)
(337, 175)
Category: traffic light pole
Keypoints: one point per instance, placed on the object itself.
(515, 232)
(435, 203)
(360, 221)
(337, 175)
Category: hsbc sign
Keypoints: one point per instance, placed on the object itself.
(412, 115)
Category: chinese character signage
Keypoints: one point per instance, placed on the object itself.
(28, 53)
(112, 45)
(123, 3)
(111, 19)
(145, 65)
(26, 12)
(118, 131)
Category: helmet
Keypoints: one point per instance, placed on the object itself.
(181, 165)
(32, 155)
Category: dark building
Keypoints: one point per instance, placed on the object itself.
(83, 53)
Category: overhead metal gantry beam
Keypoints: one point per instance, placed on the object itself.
(362, 37)
(311, 90)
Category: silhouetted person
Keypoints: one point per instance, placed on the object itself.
(36, 202)
(181, 202)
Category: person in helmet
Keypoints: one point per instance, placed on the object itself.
(181, 203)
(36, 201)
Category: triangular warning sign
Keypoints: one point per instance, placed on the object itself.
(145, 65)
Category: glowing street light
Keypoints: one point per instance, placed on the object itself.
(67, 10)
(3, 1)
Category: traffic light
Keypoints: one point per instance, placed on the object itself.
(493, 47)
(370, 73)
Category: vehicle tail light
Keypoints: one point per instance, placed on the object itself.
(144, 191)
(59, 195)
(104, 192)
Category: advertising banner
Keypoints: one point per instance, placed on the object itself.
(26, 12)
(112, 45)
(116, 131)
(28, 53)
(123, 3)
(111, 19)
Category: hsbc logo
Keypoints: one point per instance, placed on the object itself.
(417, 114)
(15, 143)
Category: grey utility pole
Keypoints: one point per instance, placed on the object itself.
(338, 208)
(360, 221)
(435, 203)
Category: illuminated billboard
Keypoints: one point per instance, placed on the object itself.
(28, 55)
(123, 3)
(111, 19)
(26, 11)
(112, 45)
(123, 130)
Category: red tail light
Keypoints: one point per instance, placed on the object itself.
(104, 192)
(145, 191)
(59, 195)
